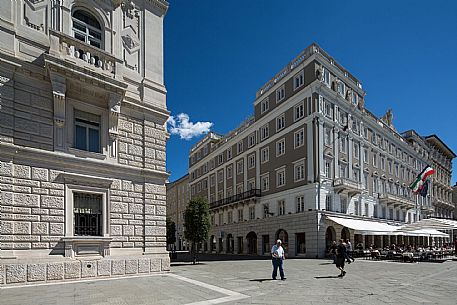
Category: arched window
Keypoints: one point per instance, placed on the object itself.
(86, 28)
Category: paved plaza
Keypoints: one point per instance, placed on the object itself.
(248, 282)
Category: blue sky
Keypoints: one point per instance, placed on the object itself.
(219, 53)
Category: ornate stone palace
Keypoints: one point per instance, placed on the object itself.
(82, 139)
(313, 165)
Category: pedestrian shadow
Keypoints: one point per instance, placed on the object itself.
(323, 264)
(261, 280)
(327, 277)
(185, 264)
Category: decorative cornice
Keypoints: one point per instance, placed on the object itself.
(162, 5)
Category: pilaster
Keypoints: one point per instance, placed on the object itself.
(59, 88)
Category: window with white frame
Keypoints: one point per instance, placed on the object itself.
(240, 147)
(383, 163)
(280, 147)
(251, 161)
(220, 159)
(299, 138)
(356, 207)
(86, 28)
(328, 109)
(375, 159)
(212, 180)
(220, 176)
(365, 155)
(343, 170)
(251, 184)
(329, 203)
(230, 217)
(265, 154)
(280, 94)
(327, 136)
(251, 139)
(205, 183)
(265, 183)
(199, 187)
(87, 131)
(300, 204)
(281, 177)
(343, 141)
(229, 171)
(356, 150)
(252, 212)
(229, 153)
(299, 111)
(239, 188)
(326, 77)
(344, 205)
(299, 79)
(264, 132)
(354, 98)
(240, 215)
(328, 168)
(281, 207)
(340, 88)
(265, 105)
(240, 166)
(299, 171)
(221, 218)
(87, 214)
(280, 122)
(266, 210)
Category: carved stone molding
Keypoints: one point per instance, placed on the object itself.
(58, 92)
(114, 111)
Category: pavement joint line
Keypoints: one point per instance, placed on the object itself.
(231, 295)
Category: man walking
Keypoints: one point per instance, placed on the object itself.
(340, 257)
(349, 256)
(277, 258)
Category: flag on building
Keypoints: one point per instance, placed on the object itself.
(419, 183)
(424, 189)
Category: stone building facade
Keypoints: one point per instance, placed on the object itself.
(177, 200)
(311, 159)
(82, 139)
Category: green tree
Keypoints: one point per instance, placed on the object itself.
(171, 231)
(196, 223)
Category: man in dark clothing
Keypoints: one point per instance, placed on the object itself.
(340, 257)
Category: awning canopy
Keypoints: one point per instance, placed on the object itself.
(365, 227)
(431, 223)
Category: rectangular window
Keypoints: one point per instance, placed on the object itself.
(87, 209)
(251, 161)
(344, 205)
(280, 147)
(264, 132)
(365, 155)
(230, 217)
(341, 88)
(251, 139)
(240, 147)
(329, 203)
(299, 111)
(328, 168)
(221, 217)
(251, 184)
(281, 207)
(343, 142)
(240, 215)
(265, 183)
(299, 137)
(375, 159)
(220, 176)
(265, 105)
(327, 136)
(280, 177)
(239, 167)
(280, 94)
(252, 213)
(299, 80)
(87, 131)
(265, 154)
(356, 150)
(383, 163)
(229, 153)
(266, 210)
(220, 159)
(229, 171)
(326, 77)
(299, 171)
(280, 122)
(300, 204)
(212, 180)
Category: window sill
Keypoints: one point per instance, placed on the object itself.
(86, 154)
(86, 246)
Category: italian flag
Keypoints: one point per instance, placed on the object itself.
(417, 185)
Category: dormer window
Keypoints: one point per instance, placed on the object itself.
(86, 28)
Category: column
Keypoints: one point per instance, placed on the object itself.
(309, 152)
(59, 88)
(350, 153)
(336, 152)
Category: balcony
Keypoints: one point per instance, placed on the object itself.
(442, 203)
(396, 200)
(79, 57)
(248, 195)
(347, 186)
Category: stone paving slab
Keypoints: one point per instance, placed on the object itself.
(249, 282)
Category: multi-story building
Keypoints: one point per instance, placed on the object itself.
(454, 199)
(82, 139)
(312, 165)
(177, 200)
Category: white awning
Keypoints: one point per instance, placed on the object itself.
(424, 232)
(365, 227)
(431, 223)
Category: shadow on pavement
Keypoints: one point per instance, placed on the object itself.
(261, 280)
(323, 264)
(327, 277)
(186, 257)
(185, 264)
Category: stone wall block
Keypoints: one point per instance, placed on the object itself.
(16, 273)
(135, 208)
(22, 171)
(158, 189)
(166, 264)
(41, 174)
(36, 272)
(149, 209)
(104, 267)
(131, 266)
(52, 202)
(119, 207)
(73, 270)
(55, 271)
(22, 227)
(127, 186)
(155, 264)
(27, 200)
(161, 210)
(128, 230)
(161, 155)
(2, 274)
(56, 229)
(143, 265)
(6, 169)
(118, 267)
(88, 268)
(116, 230)
(6, 227)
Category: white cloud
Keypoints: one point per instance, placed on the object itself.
(187, 130)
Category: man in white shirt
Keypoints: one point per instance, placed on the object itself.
(277, 257)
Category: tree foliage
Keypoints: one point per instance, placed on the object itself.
(171, 231)
(196, 221)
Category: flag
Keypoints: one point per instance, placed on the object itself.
(418, 184)
(424, 189)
